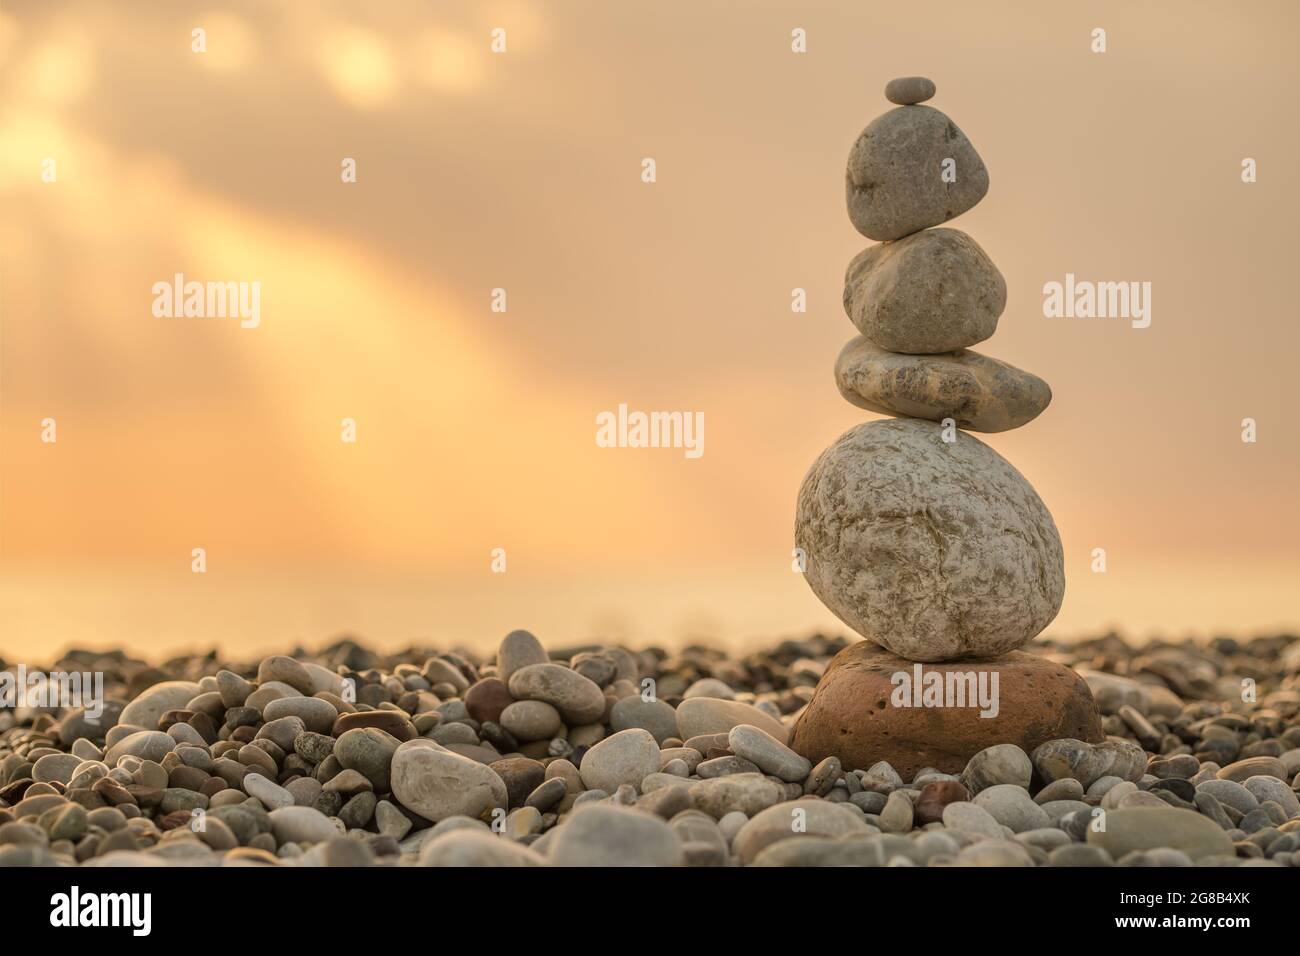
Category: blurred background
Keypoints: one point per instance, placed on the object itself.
(522, 170)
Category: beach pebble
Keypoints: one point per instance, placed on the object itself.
(747, 793)
(710, 715)
(795, 819)
(147, 708)
(626, 757)
(654, 716)
(1146, 828)
(437, 783)
(301, 825)
(767, 753)
(978, 393)
(475, 848)
(893, 580)
(908, 90)
(602, 835)
(895, 182)
(971, 818)
(517, 650)
(1012, 807)
(578, 699)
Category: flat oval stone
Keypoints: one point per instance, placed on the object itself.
(895, 182)
(145, 710)
(1149, 828)
(578, 699)
(710, 715)
(978, 393)
(907, 90)
(936, 550)
(476, 848)
(933, 291)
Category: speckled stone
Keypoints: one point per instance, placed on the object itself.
(894, 183)
(936, 550)
(978, 393)
(933, 291)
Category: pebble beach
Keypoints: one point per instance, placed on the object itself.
(599, 756)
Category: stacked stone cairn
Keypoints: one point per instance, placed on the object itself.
(915, 534)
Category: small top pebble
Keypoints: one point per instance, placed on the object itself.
(907, 90)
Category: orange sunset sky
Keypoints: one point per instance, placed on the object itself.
(522, 170)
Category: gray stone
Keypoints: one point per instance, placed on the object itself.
(301, 825)
(317, 715)
(994, 853)
(934, 291)
(1012, 807)
(531, 720)
(465, 847)
(146, 744)
(518, 649)
(579, 700)
(977, 392)
(709, 715)
(272, 795)
(627, 757)
(1147, 828)
(651, 715)
(603, 835)
(437, 783)
(795, 819)
(971, 818)
(909, 90)
(1230, 794)
(369, 751)
(747, 793)
(1264, 788)
(999, 764)
(896, 817)
(155, 701)
(895, 184)
(768, 753)
(936, 550)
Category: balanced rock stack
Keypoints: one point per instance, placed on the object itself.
(917, 535)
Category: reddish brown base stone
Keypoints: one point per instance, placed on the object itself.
(853, 714)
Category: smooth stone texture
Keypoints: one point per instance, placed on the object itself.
(317, 715)
(476, 848)
(1264, 788)
(487, 699)
(627, 757)
(301, 825)
(994, 853)
(909, 90)
(146, 744)
(1148, 828)
(272, 795)
(654, 716)
(972, 818)
(934, 291)
(156, 700)
(894, 180)
(937, 550)
(768, 753)
(531, 720)
(999, 764)
(1243, 770)
(437, 783)
(604, 835)
(851, 715)
(519, 649)
(1012, 807)
(977, 392)
(579, 700)
(700, 716)
(369, 751)
(795, 819)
